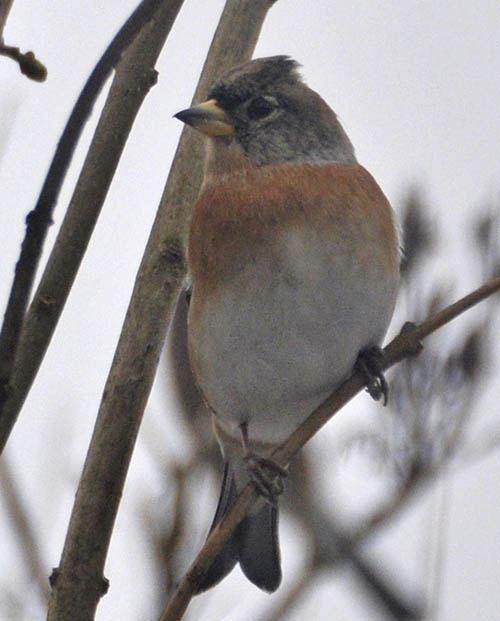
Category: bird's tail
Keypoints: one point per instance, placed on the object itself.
(254, 543)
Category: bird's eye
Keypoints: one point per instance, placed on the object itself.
(260, 107)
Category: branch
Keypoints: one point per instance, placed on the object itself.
(79, 581)
(134, 76)
(5, 6)
(29, 65)
(24, 340)
(39, 220)
(406, 344)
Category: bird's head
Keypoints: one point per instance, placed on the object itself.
(264, 111)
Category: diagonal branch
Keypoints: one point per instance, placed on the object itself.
(39, 220)
(406, 344)
(22, 350)
(79, 582)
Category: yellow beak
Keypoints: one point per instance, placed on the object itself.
(208, 118)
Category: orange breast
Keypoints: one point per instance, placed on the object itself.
(239, 213)
(294, 271)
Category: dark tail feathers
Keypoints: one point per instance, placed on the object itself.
(254, 544)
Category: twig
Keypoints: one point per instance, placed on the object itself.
(136, 357)
(29, 65)
(406, 344)
(39, 220)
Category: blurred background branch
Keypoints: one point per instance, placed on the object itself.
(22, 526)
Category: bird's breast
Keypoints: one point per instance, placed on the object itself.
(294, 270)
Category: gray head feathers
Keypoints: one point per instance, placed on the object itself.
(278, 118)
(255, 76)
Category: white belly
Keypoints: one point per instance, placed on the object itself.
(284, 332)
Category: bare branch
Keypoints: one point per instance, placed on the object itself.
(451, 312)
(5, 6)
(134, 76)
(406, 344)
(29, 65)
(138, 350)
(39, 220)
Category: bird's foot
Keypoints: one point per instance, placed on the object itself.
(267, 476)
(370, 363)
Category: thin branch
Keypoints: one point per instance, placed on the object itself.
(436, 321)
(79, 581)
(21, 353)
(29, 65)
(5, 6)
(406, 344)
(39, 220)
(326, 538)
(134, 76)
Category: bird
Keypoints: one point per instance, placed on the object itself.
(293, 271)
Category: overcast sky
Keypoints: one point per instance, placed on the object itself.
(416, 86)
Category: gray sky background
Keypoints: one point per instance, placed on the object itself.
(416, 86)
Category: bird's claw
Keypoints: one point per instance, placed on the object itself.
(370, 364)
(267, 476)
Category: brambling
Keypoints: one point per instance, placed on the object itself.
(294, 267)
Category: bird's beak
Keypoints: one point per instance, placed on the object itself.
(208, 118)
